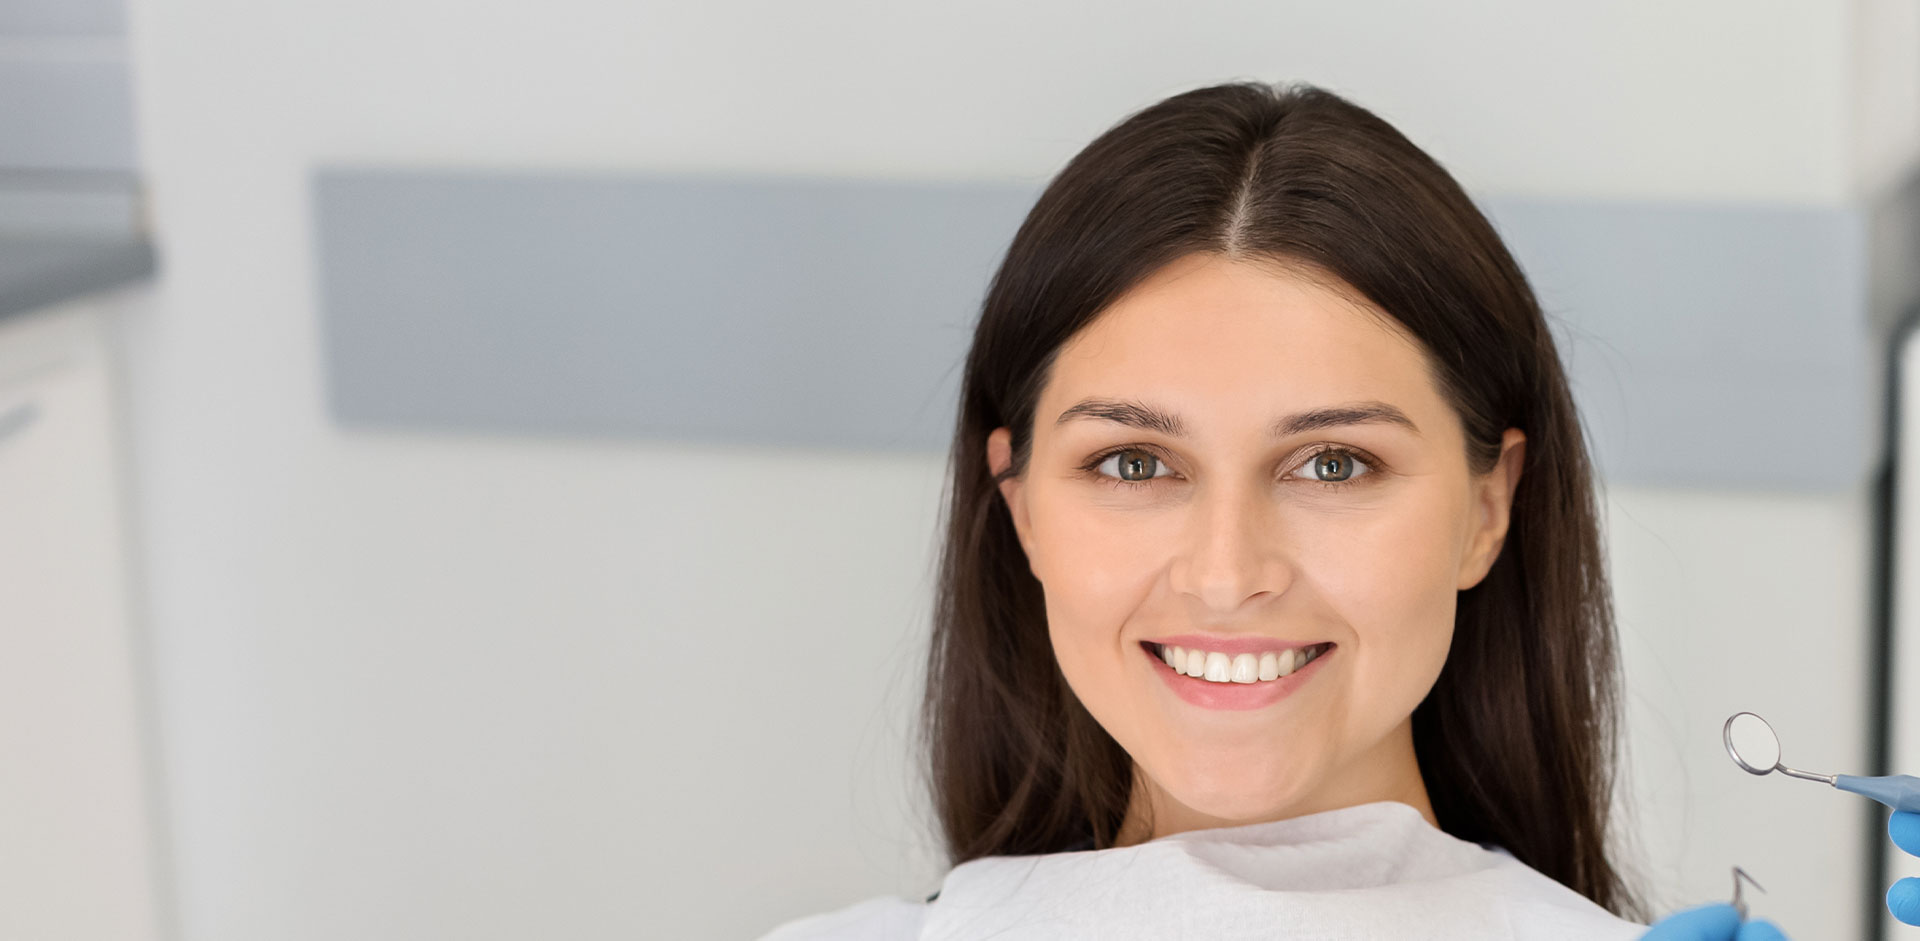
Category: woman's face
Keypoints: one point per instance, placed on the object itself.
(1260, 470)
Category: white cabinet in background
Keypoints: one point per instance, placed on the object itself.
(76, 843)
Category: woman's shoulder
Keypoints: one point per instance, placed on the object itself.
(882, 918)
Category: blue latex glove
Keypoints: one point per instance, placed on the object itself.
(1903, 900)
(1715, 922)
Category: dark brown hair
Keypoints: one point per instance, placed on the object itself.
(1517, 739)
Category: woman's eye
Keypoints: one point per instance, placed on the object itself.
(1132, 466)
(1333, 466)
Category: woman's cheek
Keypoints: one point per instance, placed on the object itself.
(1388, 575)
(1103, 568)
(1096, 560)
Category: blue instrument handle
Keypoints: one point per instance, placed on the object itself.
(1898, 791)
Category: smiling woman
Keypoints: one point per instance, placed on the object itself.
(1272, 593)
(1346, 529)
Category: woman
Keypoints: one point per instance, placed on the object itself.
(1273, 600)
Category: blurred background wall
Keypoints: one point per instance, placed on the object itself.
(382, 673)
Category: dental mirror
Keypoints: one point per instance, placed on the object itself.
(1751, 742)
(1753, 746)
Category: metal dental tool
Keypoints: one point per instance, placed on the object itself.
(1739, 904)
(1753, 746)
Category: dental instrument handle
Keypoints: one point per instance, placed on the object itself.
(1898, 791)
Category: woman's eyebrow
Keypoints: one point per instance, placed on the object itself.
(1140, 415)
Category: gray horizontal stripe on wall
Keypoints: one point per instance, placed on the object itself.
(764, 312)
(1710, 345)
(66, 115)
(62, 18)
(1702, 341)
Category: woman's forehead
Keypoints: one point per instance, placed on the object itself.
(1234, 334)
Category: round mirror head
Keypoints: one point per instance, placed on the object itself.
(1751, 743)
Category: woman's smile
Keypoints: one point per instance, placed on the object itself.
(1217, 679)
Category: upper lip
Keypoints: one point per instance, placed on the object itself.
(1239, 644)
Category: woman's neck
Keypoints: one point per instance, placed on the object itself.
(1388, 772)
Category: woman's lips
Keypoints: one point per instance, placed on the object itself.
(1208, 694)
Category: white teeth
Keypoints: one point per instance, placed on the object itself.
(1246, 668)
(1217, 667)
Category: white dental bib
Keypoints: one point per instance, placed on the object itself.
(1371, 871)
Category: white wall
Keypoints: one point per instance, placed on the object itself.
(1883, 45)
(433, 685)
(1744, 601)
(1718, 100)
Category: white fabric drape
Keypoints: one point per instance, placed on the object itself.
(1372, 871)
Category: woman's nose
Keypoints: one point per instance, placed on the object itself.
(1232, 551)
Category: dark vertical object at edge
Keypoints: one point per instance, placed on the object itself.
(1886, 496)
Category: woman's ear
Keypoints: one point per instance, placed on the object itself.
(1493, 509)
(999, 458)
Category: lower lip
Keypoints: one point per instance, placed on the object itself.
(1210, 695)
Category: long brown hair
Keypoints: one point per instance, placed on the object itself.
(1517, 740)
